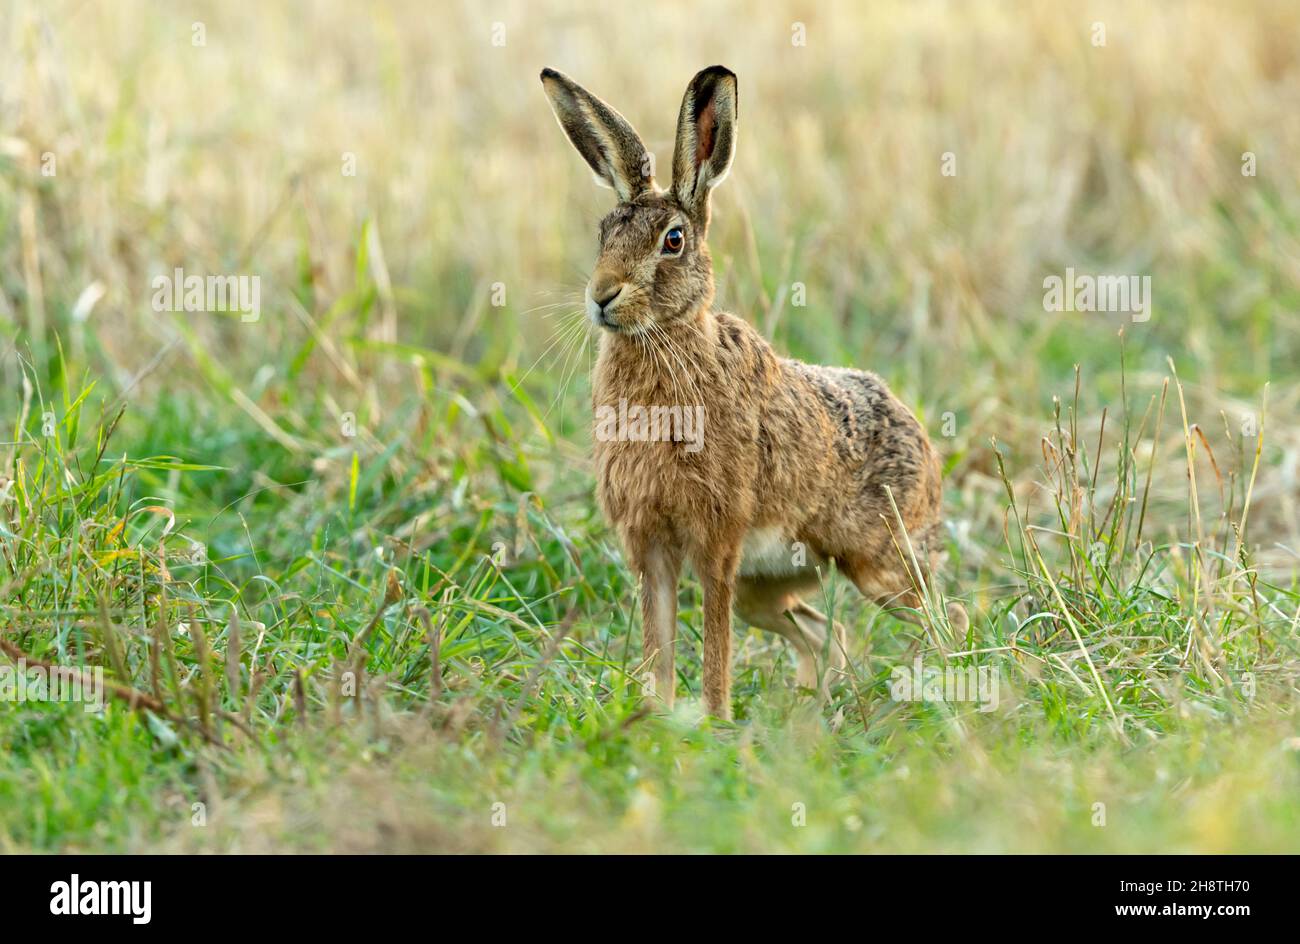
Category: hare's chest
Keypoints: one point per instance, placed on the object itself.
(647, 480)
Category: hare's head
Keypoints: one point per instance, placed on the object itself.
(653, 264)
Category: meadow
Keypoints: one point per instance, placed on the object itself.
(339, 559)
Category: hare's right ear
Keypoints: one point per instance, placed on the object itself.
(706, 139)
(602, 136)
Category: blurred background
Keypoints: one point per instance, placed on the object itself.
(382, 171)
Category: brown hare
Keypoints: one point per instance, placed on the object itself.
(796, 464)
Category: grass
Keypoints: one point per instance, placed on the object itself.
(349, 553)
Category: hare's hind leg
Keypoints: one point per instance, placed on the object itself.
(774, 604)
(814, 624)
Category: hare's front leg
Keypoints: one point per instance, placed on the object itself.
(658, 566)
(717, 573)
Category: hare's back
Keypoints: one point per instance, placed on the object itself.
(878, 441)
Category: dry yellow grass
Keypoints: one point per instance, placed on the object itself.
(229, 157)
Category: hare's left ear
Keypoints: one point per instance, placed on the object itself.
(607, 142)
(706, 139)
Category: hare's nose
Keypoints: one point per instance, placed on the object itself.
(605, 290)
(607, 294)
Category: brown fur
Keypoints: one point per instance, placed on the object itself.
(797, 454)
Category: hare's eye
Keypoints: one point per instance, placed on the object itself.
(674, 240)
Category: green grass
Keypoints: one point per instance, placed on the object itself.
(434, 532)
(200, 522)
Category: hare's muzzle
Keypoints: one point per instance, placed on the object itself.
(603, 292)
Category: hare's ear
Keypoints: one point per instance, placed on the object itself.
(602, 136)
(706, 139)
